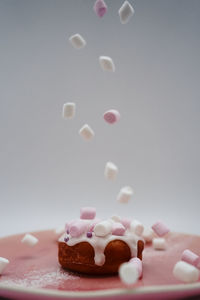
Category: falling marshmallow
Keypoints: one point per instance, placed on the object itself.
(185, 272)
(125, 194)
(86, 132)
(111, 116)
(88, 213)
(100, 8)
(69, 110)
(3, 263)
(29, 240)
(159, 243)
(107, 63)
(77, 41)
(111, 171)
(126, 11)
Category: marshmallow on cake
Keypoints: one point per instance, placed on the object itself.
(94, 246)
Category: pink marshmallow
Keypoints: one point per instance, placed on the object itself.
(118, 229)
(100, 8)
(126, 222)
(68, 224)
(111, 116)
(77, 228)
(92, 224)
(191, 258)
(160, 229)
(88, 213)
(138, 264)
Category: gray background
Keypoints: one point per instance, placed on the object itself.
(47, 172)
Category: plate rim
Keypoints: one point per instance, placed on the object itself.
(109, 292)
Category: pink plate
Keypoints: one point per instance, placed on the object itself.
(34, 273)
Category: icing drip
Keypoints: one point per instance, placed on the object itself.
(99, 243)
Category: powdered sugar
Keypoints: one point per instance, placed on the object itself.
(39, 279)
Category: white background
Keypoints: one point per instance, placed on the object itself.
(47, 172)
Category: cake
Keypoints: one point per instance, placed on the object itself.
(96, 247)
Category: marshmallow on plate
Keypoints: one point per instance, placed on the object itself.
(77, 41)
(125, 194)
(86, 132)
(111, 116)
(138, 263)
(160, 228)
(103, 228)
(185, 272)
(137, 227)
(100, 8)
(191, 258)
(88, 213)
(69, 110)
(111, 171)
(159, 244)
(107, 63)
(131, 271)
(29, 240)
(126, 11)
(3, 263)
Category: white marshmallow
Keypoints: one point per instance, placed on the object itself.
(103, 228)
(125, 194)
(126, 11)
(128, 273)
(29, 240)
(86, 132)
(185, 272)
(107, 63)
(69, 110)
(59, 230)
(111, 171)
(137, 227)
(3, 263)
(159, 243)
(116, 218)
(77, 41)
(147, 234)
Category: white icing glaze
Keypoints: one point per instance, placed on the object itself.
(99, 243)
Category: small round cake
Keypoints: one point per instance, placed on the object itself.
(96, 247)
